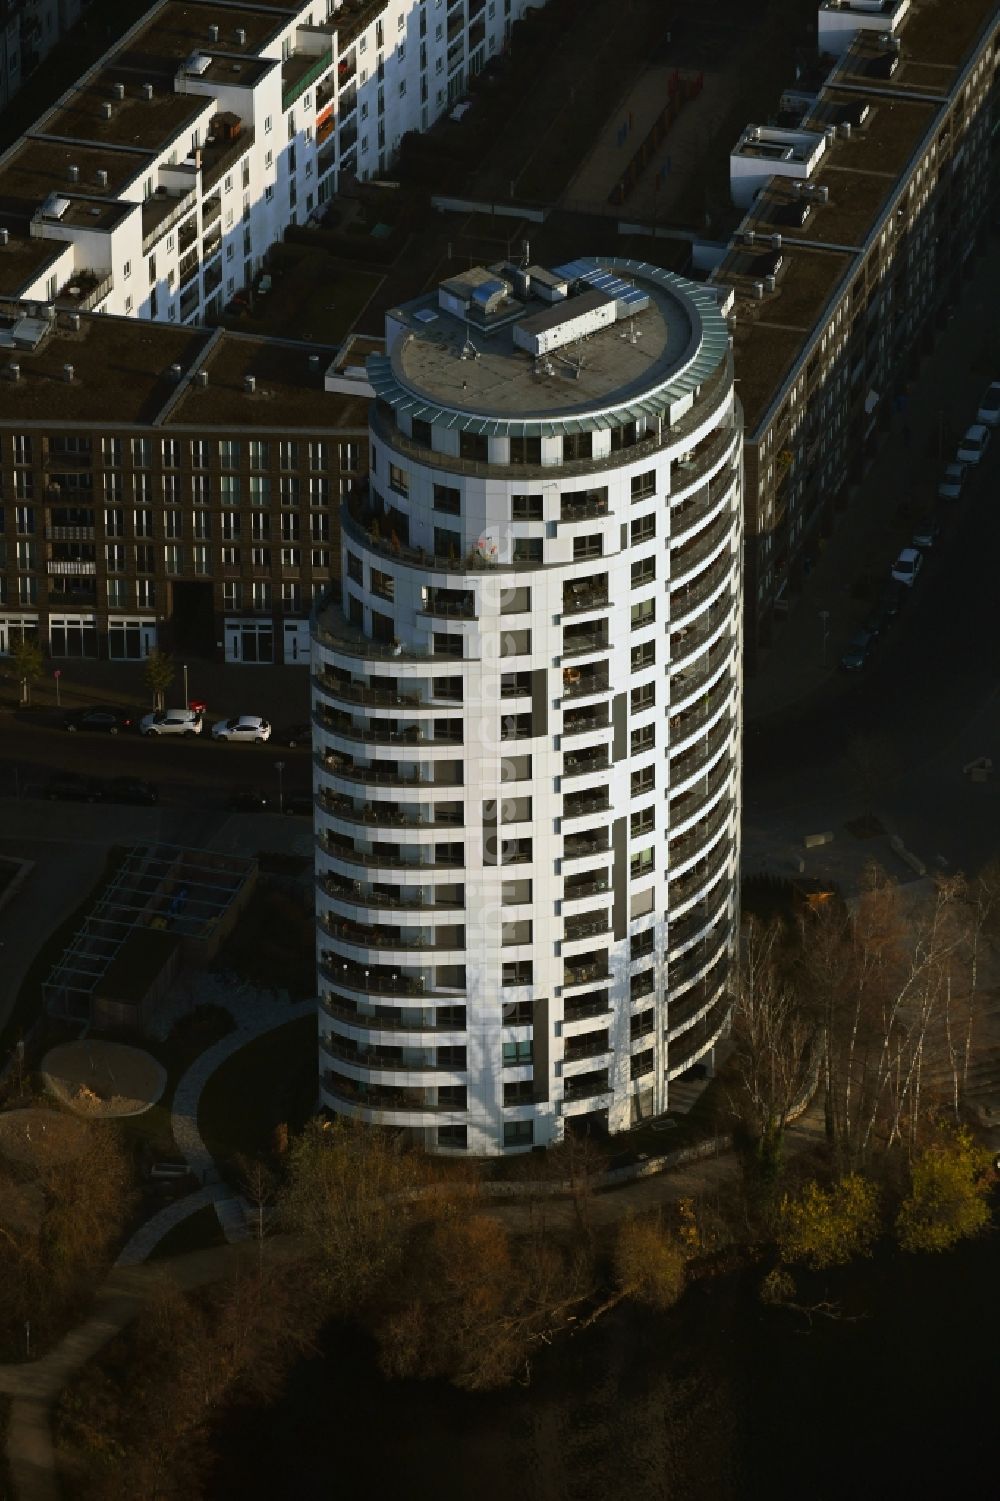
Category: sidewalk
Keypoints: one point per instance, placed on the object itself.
(871, 531)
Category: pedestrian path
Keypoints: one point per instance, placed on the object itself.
(259, 1013)
(148, 1236)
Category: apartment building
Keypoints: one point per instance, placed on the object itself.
(29, 29)
(864, 206)
(168, 487)
(154, 186)
(527, 711)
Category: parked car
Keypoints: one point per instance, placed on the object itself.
(879, 621)
(295, 734)
(249, 728)
(989, 406)
(952, 482)
(907, 566)
(893, 599)
(247, 801)
(171, 722)
(298, 803)
(70, 788)
(130, 790)
(974, 444)
(859, 651)
(99, 717)
(927, 533)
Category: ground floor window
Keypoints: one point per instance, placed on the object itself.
(453, 1138)
(518, 1133)
(16, 628)
(130, 639)
(249, 641)
(73, 635)
(296, 643)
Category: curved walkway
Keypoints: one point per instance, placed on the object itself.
(148, 1236)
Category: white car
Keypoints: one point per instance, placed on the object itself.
(952, 481)
(989, 406)
(907, 565)
(974, 444)
(171, 722)
(250, 728)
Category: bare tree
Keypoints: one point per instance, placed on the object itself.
(774, 1038)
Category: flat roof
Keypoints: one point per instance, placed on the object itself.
(289, 389)
(235, 69)
(135, 121)
(182, 26)
(22, 259)
(121, 370)
(772, 332)
(39, 167)
(627, 361)
(936, 36)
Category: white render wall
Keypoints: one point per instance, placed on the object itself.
(686, 898)
(372, 115)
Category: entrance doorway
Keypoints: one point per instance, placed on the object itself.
(192, 618)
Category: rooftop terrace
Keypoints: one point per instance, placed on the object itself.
(38, 167)
(935, 34)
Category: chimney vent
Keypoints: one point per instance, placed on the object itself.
(314, 362)
(824, 193)
(175, 372)
(241, 37)
(769, 283)
(106, 110)
(758, 290)
(68, 374)
(4, 236)
(775, 242)
(201, 379)
(249, 384)
(213, 33)
(102, 178)
(147, 90)
(118, 89)
(73, 173)
(844, 130)
(14, 371)
(74, 322)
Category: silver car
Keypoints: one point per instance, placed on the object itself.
(952, 481)
(171, 722)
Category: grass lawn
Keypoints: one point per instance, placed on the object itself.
(199, 1232)
(270, 1081)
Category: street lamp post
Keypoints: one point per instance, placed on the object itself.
(279, 767)
(824, 616)
(186, 698)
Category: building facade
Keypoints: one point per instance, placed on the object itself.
(168, 487)
(527, 711)
(884, 180)
(155, 185)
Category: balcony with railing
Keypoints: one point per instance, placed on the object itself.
(211, 210)
(389, 1059)
(85, 290)
(576, 888)
(584, 641)
(349, 934)
(386, 1099)
(585, 762)
(585, 804)
(686, 598)
(585, 721)
(579, 596)
(583, 969)
(161, 211)
(685, 559)
(584, 506)
(700, 878)
(580, 1008)
(587, 1086)
(371, 980)
(586, 925)
(586, 1045)
(583, 682)
(301, 69)
(376, 1018)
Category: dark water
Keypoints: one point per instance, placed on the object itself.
(721, 1398)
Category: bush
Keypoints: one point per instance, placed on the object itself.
(828, 1226)
(950, 1181)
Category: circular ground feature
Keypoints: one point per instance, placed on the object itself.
(37, 1137)
(103, 1080)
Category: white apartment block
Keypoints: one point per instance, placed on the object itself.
(155, 185)
(527, 711)
(29, 29)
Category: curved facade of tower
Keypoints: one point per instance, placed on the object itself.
(527, 711)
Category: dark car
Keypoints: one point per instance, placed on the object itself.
(130, 790)
(293, 735)
(70, 788)
(298, 803)
(927, 533)
(859, 651)
(247, 801)
(99, 717)
(893, 598)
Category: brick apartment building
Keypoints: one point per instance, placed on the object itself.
(871, 192)
(168, 487)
